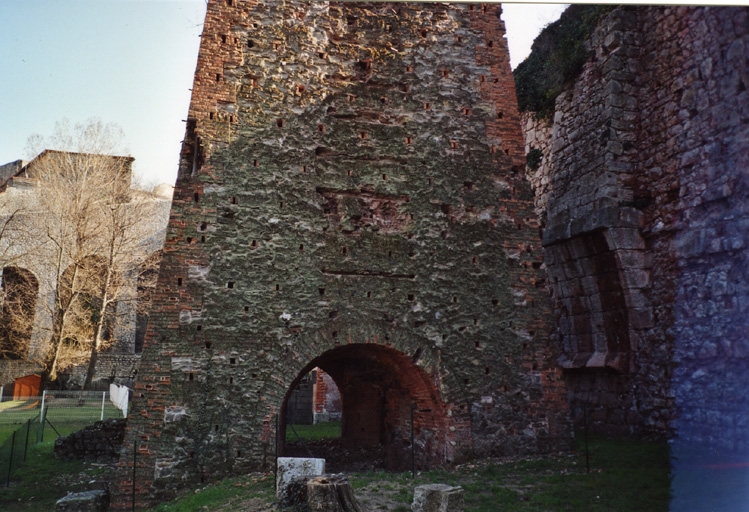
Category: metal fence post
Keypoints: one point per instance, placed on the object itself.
(587, 452)
(135, 456)
(44, 398)
(103, 399)
(43, 416)
(26, 447)
(10, 463)
(275, 465)
(413, 448)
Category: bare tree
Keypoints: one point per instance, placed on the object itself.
(95, 227)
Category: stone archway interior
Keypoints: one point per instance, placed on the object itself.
(381, 391)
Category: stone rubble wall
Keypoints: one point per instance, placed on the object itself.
(12, 370)
(694, 171)
(100, 442)
(538, 136)
(644, 186)
(117, 368)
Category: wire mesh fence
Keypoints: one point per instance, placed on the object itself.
(79, 407)
(14, 451)
(25, 422)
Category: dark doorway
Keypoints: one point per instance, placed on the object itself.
(387, 401)
(20, 291)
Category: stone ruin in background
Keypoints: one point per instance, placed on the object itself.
(351, 196)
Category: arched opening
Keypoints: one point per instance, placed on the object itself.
(326, 399)
(20, 290)
(313, 411)
(389, 406)
(595, 329)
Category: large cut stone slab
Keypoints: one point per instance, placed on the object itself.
(291, 469)
(88, 501)
(437, 498)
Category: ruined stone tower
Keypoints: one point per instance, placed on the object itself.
(351, 196)
(647, 225)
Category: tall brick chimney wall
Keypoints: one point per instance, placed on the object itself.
(643, 187)
(350, 197)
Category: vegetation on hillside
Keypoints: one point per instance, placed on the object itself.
(557, 57)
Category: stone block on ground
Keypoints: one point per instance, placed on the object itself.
(88, 501)
(437, 498)
(291, 469)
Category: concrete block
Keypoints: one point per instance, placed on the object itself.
(88, 501)
(291, 468)
(437, 498)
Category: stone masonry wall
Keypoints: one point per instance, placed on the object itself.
(118, 368)
(100, 442)
(694, 177)
(538, 136)
(645, 237)
(350, 197)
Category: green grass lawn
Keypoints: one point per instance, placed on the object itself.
(61, 412)
(17, 412)
(42, 480)
(625, 475)
(229, 494)
(330, 430)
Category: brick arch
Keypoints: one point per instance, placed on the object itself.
(379, 385)
(593, 290)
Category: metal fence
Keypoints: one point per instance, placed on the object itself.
(83, 407)
(14, 451)
(23, 422)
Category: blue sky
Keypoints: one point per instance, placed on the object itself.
(129, 62)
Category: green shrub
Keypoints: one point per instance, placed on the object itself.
(557, 57)
(533, 158)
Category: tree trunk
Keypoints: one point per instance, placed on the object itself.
(91, 366)
(96, 343)
(50, 365)
(331, 493)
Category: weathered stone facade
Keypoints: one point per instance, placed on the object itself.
(643, 187)
(350, 197)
